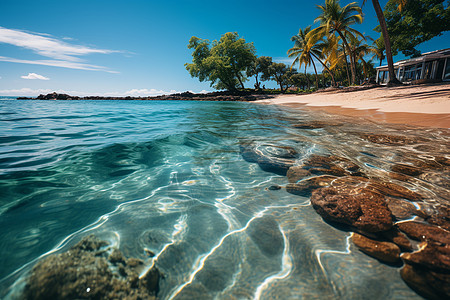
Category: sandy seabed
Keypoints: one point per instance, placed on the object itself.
(421, 105)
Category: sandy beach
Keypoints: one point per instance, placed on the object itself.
(422, 105)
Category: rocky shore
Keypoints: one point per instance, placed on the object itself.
(214, 96)
(397, 225)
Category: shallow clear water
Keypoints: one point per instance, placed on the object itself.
(169, 177)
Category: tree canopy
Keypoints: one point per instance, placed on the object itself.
(416, 22)
(336, 19)
(222, 62)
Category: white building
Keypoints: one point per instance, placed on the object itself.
(432, 66)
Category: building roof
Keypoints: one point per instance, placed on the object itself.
(432, 55)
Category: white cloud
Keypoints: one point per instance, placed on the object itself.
(47, 46)
(62, 54)
(34, 76)
(58, 63)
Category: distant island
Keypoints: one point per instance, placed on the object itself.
(245, 95)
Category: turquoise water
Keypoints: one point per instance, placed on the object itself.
(169, 177)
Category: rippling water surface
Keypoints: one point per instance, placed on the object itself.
(169, 177)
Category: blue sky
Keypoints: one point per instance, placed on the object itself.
(139, 47)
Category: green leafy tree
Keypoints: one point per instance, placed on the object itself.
(280, 73)
(223, 62)
(336, 19)
(301, 80)
(415, 22)
(259, 66)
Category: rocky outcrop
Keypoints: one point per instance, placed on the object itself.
(397, 237)
(214, 96)
(89, 271)
(428, 270)
(295, 173)
(426, 282)
(331, 165)
(316, 124)
(305, 187)
(56, 96)
(425, 232)
(435, 256)
(392, 140)
(383, 251)
(379, 208)
(361, 208)
(407, 169)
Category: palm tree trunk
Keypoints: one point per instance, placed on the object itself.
(387, 43)
(325, 66)
(317, 78)
(307, 79)
(351, 60)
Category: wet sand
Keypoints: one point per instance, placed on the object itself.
(419, 105)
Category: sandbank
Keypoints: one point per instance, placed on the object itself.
(421, 105)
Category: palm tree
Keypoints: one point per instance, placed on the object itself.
(329, 47)
(337, 19)
(302, 52)
(305, 52)
(378, 49)
(387, 44)
(360, 49)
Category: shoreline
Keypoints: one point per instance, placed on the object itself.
(418, 105)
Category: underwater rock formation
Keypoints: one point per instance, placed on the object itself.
(271, 158)
(392, 140)
(89, 271)
(376, 206)
(364, 210)
(381, 250)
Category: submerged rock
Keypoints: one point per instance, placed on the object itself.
(393, 140)
(399, 238)
(440, 178)
(381, 250)
(331, 165)
(271, 158)
(425, 232)
(295, 173)
(427, 283)
(274, 188)
(316, 124)
(394, 190)
(86, 271)
(407, 169)
(305, 187)
(440, 217)
(361, 208)
(432, 255)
